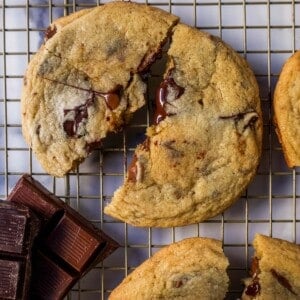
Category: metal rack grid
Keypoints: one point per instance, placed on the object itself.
(266, 33)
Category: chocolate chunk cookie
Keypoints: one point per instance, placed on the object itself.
(205, 145)
(85, 80)
(193, 268)
(287, 110)
(275, 270)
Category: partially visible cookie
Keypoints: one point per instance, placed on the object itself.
(205, 146)
(85, 81)
(287, 110)
(275, 270)
(193, 268)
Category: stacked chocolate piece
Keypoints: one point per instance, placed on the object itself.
(38, 227)
(18, 228)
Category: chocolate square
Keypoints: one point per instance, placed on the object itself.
(12, 228)
(18, 229)
(73, 242)
(50, 280)
(10, 279)
(32, 194)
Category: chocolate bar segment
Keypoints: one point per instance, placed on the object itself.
(72, 243)
(68, 245)
(10, 278)
(12, 228)
(32, 194)
(50, 281)
(18, 228)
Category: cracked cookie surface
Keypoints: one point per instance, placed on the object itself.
(205, 146)
(275, 270)
(85, 80)
(287, 110)
(193, 268)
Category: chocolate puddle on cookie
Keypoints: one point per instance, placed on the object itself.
(254, 287)
(75, 119)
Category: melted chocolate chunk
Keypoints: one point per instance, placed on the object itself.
(92, 146)
(283, 281)
(251, 123)
(132, 170)
(148, 60)
(50, 32)
(249, 117)
(146, 144)
(254, 267)
(38, 129)
(253, 289)
(200, 101)
(76, 118)
(180, 282)
(112, 99)
(166, 87)
(236, 117)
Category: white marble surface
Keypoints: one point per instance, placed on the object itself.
(271, 206)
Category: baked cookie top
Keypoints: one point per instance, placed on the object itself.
(193, 268)
(287, 110)
(205, 146)
(275, 270)
(85, 80)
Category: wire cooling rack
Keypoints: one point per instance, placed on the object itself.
(266, 33)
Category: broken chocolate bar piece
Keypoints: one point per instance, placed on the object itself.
(32, 194)
(68, 245)
(50, 279)
(18, 228)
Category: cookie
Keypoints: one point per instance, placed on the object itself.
(205, 145)
(275, 270)
(193, 268)
(86, 80)
(287, 110)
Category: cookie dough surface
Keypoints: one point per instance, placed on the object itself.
(277, 270)
(205, 149)
(85, 80)
(193, 268)
(287, 110)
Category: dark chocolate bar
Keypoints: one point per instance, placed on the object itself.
(18, 228)
(68, 245)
